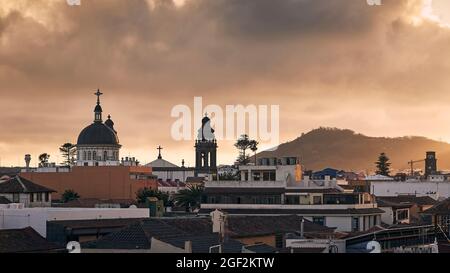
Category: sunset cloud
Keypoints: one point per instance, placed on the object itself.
(377, 70)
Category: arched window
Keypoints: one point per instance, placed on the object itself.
(105, 155)
(94, 155)
(89, 155)
(84, 155)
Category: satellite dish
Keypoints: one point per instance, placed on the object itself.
(374, 247)
(73, 247)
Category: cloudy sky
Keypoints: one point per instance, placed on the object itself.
(381, 71)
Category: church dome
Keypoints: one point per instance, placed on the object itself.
(98, 108)
(98, 134)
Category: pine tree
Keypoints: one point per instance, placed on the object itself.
(68, 151)
(383, 165)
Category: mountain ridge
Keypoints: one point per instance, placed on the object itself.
(345, 149)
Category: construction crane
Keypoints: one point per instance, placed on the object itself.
(412, 162)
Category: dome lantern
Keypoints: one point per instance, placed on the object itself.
(98, 109)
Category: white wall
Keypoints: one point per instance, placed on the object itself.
(162, 247)
(307, 243)
(173, 175)
(382, 188)
(340, 222)
(388, 216)
(37, 217)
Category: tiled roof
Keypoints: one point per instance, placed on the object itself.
(192, 179)
(202, 243)
(253, 191)
(161, 163)
(19, 184)
(386, 203)
(171, 183)
(96, 223)
(317, 212)
(313, 190)
(243, 226)
(4, 200)
(135, 236)
(305, 250)
(440, 208)
(261, 248)
(92, 202)
(176, 231)
(412, 199)
(25, 240)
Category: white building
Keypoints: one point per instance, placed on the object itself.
(434, 189)
(281, 190)
(167, 171)
(16, 218)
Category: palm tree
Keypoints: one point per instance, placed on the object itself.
(69, 195)
(190, 198)
(68, 151)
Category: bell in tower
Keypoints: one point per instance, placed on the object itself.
(205, 149)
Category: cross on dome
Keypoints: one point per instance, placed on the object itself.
(98, 94)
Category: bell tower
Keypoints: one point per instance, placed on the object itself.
(205, 149)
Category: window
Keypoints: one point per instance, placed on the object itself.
(84, 155)
(292, 200)
(47, 197)
(355, 224)
(268, 176)
(402, 215)
(319, 220)
(39, 197)
(94, 155)
(105, 155)
(317, 200)
(31, 197)
(272, 176)
(89, 155)
(256, 176)
(16, 198)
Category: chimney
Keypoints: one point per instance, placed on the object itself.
(27, 161)
(217, 219)
(188, 246)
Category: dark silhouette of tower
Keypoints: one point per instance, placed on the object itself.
(430, 164)
(205, 149)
